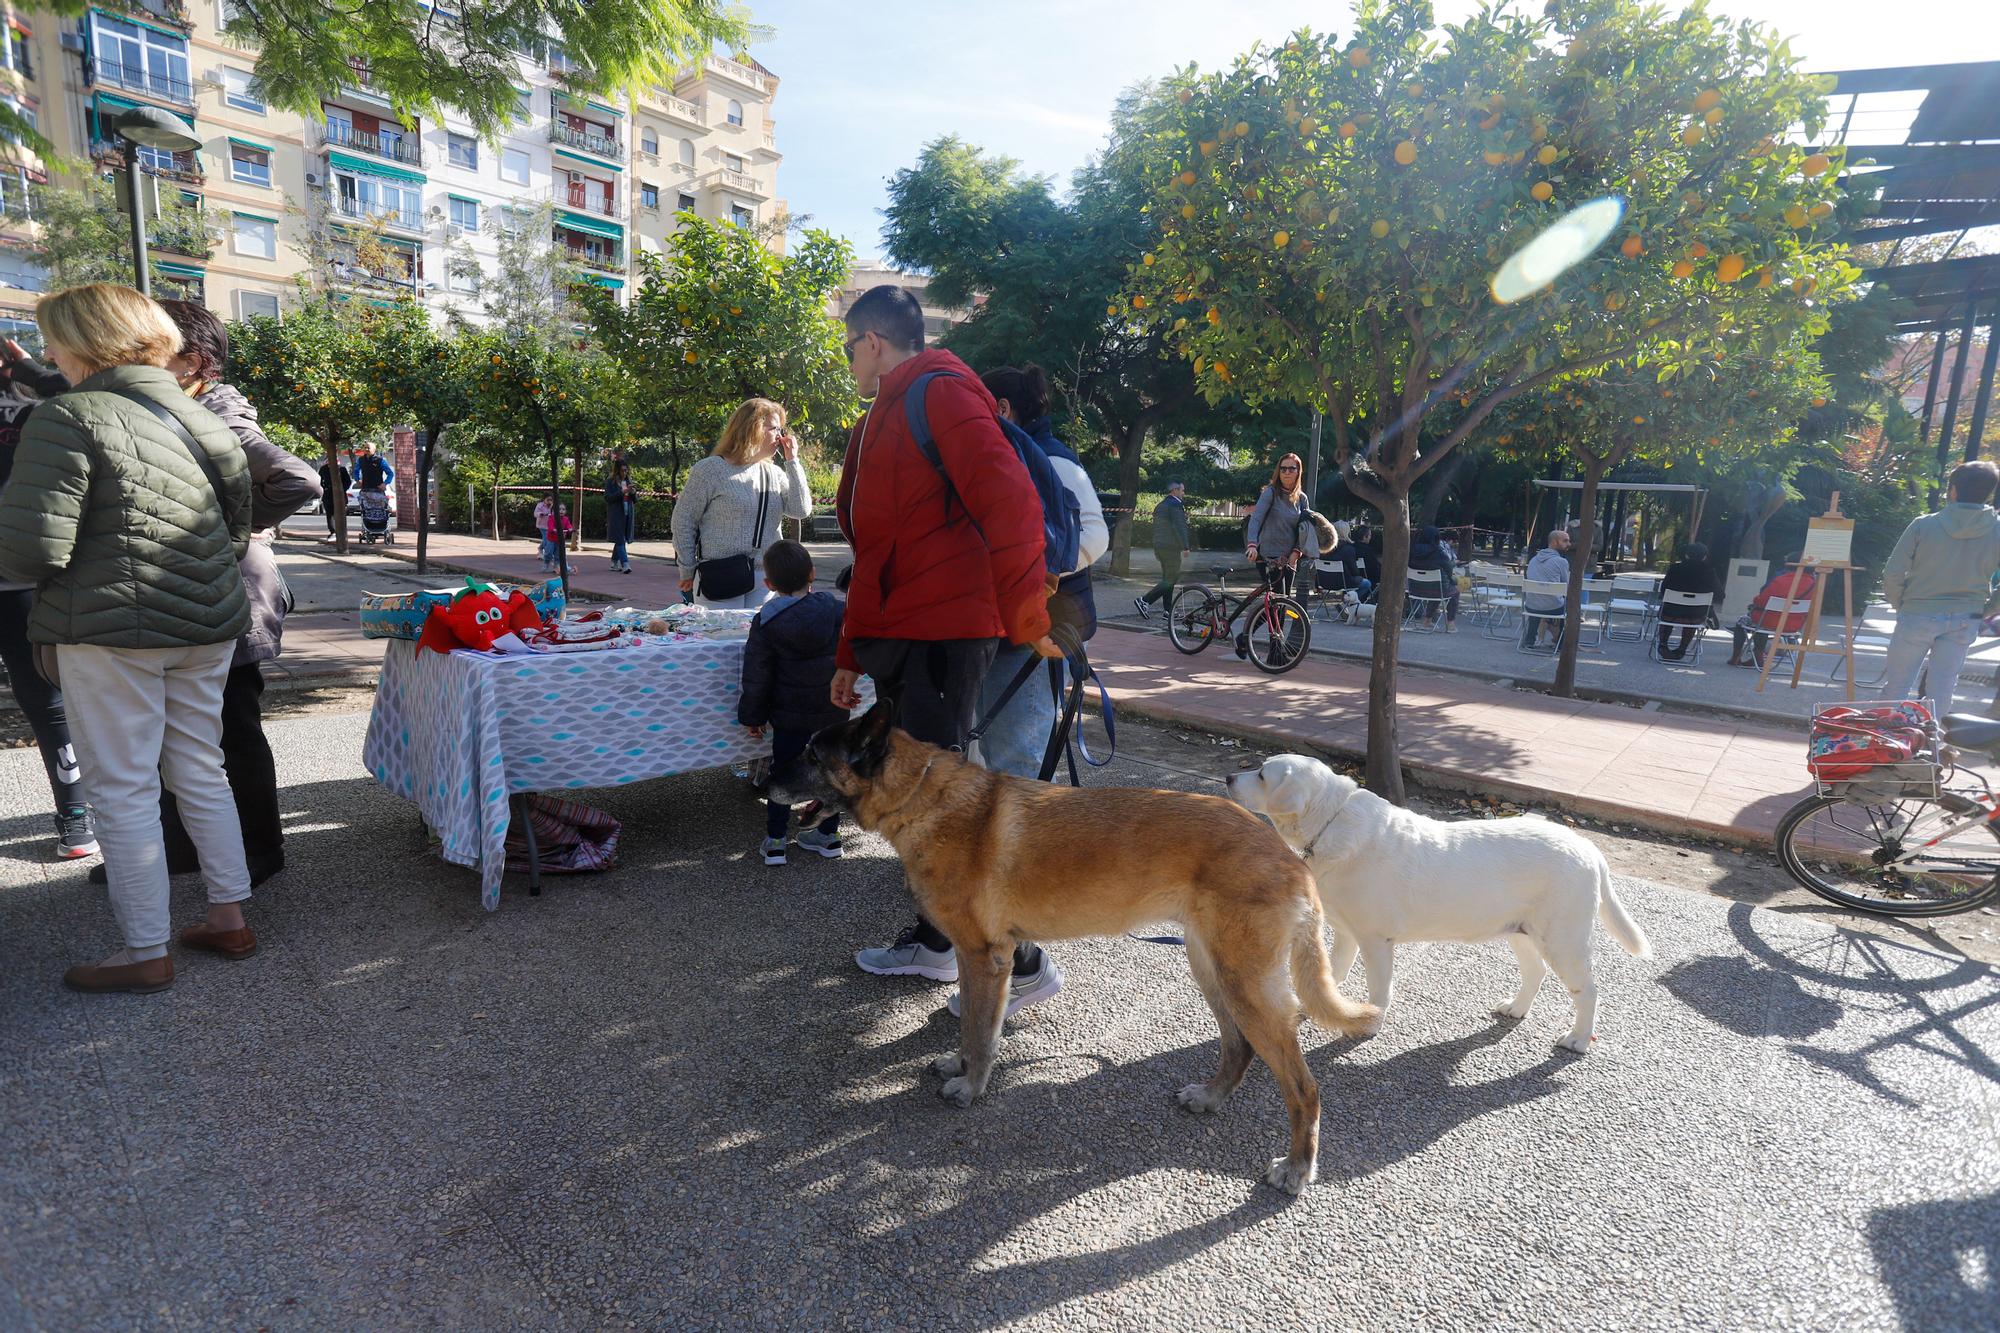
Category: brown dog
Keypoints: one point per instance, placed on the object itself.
(995, 859)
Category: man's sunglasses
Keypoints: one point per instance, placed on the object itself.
(851, 344)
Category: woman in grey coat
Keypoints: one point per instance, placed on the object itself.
(1277, 524)
(754, 473)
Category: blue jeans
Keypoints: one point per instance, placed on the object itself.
(549, 552)
(1944, 639)
(621, 532)
(1015, 741)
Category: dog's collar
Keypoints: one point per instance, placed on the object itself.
(1306, 853)
(915, 787)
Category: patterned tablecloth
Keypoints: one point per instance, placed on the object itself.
(458, 734)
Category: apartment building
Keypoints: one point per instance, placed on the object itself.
(298, 193)
(938, 319)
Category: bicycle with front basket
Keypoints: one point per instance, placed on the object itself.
(1913, 839)
(1274, 638)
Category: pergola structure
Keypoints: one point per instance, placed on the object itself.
(1924, 142)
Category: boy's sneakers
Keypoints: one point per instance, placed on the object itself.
(1139, 605)
(907, 957)
(76, 835)
(773, 851)
(826, 844)
(1045, 983)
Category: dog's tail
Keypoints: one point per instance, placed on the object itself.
(1617, 923)
(1312, 977)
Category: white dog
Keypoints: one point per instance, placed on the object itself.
(1387, 875)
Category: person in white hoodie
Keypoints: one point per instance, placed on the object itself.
(1940, 580)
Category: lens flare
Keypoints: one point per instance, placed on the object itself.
(1566, 243)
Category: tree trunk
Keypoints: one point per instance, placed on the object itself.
(1385, 764)
(1130, 448)
(336, 503)
(1762, 505)
(1579, 568)
(1439, 486)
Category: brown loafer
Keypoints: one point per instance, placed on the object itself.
(234, 945)
(155, 974)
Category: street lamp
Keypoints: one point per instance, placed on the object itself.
(148, 127)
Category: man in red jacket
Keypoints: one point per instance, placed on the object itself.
(941, 575)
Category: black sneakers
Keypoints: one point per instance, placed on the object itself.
(76, 834)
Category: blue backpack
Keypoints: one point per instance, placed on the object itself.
(1062, 517)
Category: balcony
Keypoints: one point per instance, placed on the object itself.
(171, 12)
(193, 241)
(356, 210)
(586, 200)
(679, 109)
(405, 148)
(180, 167)
(735, 71)
(585, 141)
(134, 78)
(595, 262)
(742, 182)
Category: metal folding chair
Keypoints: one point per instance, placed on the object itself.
(1631, 597)
(1691, 613)
(1424, 601)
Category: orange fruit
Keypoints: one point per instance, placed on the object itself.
(1795, 216)
(1146, 259)
(1765, 277)
(1714, 117)
(1214, 315)
(1307, 124)
(1698, 250)
(1546, 154)
(1111, 310)
(1691, 135)
(1138, 303)
(1729, 268)
(1638, 421)
(1281, 240)
(1615, 301)
(1707, 99)
(1682, 268)
(1379, 228)
(1540, 191)
(1494, 159)
(691, 357)
(1185, 96)
(1632, 247)
(1406, 153)
(1358, 57)
(1537, 132)
(1820, 211)
(1819, 402)
(1187, 178)
(1242, 128)
(1207, 147)
(1187, 212)
(1815, 164)
(1347, 129)
(1490, 121)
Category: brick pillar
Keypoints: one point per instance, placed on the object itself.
(405, 463)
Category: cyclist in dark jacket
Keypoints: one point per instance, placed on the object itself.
(788, 666)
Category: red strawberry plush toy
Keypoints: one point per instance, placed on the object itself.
(477, 618)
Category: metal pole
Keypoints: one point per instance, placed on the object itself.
(1957, 384)
(1984, 398)
(423, 500)
(1939, 336)
(1312, 464)
(138, 197)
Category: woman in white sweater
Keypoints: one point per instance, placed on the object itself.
(730, 508)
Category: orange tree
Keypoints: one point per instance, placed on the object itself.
(1661, 411)
(311, 372)
(427, 378)
(1331, 217)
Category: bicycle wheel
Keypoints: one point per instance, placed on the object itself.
(1279, 635)
(1191, 619)
(1842, 849)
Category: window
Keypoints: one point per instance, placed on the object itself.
(256, 305)
(686, 204)
(687, 154)
(735, 112)
(255, 237)
(465, 213)
(649, 196)
(15, 199)
(463, 151)
(18, 270)
(741, 216)
(17, 58)
(378, 197)
(514, 166)
(464, 278)
(236, 91)
(21, 109)
(250, 165)
(733, 162)
(145, 60)
(649, 142)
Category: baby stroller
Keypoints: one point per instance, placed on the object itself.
(374, 517)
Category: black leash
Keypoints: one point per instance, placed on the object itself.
(1065, 732)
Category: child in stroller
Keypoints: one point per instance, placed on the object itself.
(374, 517)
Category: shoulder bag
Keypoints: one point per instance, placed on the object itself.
(731, 576)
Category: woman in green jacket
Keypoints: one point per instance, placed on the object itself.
(128, 506)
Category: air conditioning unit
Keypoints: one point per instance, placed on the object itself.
(312, 178)
(212, 79)
(72, 41)
(453, 232)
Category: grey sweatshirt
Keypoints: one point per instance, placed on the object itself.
(281, 484)
(717, 508)
(1274, 526)
(1944, 562)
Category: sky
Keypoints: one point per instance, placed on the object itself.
(864, 88)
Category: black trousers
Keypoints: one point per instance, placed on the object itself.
(252, 772)
(1688, 632)
(40, 701)
(1170, 574)
(785, 747)
(935, 687)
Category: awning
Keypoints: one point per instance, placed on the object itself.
(365, 167)
(179, 34)
(174, 270)
(588, 161)
(251, 144)
(569, 96)
(578, 222)
(604, 280)
(115, 102)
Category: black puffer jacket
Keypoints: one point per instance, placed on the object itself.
(788, 664)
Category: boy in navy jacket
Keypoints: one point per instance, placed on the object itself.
(788, 666)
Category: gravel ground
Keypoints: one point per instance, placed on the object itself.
(664, 1098)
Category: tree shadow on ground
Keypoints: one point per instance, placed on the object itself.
(1940, 1261)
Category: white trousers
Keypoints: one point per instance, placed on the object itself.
(751, 600)
(139, 714)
